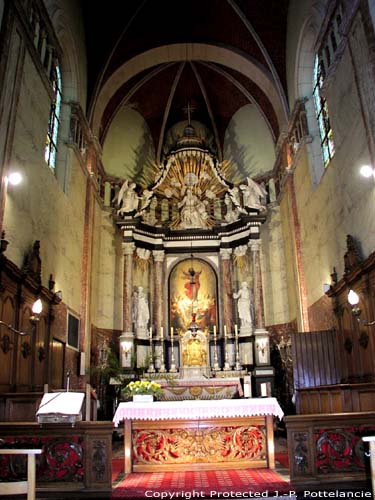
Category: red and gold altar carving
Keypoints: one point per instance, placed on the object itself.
(196, 445)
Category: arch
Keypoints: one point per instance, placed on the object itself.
(187, 52)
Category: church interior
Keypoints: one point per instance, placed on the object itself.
(187, 198)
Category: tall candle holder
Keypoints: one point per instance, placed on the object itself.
(215, 366)
(173, 368)
(226, 355)
(162, 368)
(238, 364)
(151, 367)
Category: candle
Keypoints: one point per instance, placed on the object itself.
(214, 330)
(225, 330)
(150, 332)
(161, 332)
(172, 332)
(235, 330)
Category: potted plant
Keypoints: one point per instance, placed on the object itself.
(143, 391)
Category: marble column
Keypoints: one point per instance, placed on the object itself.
(158, 289)
(258, 287)
(225, 254)
(128, 249)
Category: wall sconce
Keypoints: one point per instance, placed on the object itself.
(36, 310)
(353, 300)
(367, 171)
(5, 342)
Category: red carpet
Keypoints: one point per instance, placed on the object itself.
(204, 484)
(283, 459)
(117, 468)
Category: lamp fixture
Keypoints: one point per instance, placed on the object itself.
(14, 178)
(36, 310)
(367, 171)
(353, 299)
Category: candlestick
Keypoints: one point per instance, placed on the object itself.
(151, 367)
(173, 368)
(235, 330)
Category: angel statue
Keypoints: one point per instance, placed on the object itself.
(145, 201)
(254, 195)
(127, 198)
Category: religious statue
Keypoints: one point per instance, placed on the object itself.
(145, 201)
(231, 214)
(194, 353)
(234, 195)
(127, 198)
(141, 311)
(244, 305)
(193, 212)
(254, 195)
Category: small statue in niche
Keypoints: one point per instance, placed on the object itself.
(33, 263)
(353, 257)
(141, 310)
(244, 305)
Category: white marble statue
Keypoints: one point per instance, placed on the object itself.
(231, 215)
(145, 201)
(127, 199)
(141, 311)
(193, 212)
(244, 305)
(254, 195)
(234, 194)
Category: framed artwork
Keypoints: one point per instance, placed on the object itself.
(192, 290)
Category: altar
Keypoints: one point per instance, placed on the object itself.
(210, 388)
(190, 435)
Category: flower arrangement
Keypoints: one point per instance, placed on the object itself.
(143, 387)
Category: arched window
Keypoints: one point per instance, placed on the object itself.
(54, 119)
(321, 108)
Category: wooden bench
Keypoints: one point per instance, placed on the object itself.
(21, 487)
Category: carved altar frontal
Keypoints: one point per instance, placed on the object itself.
(223, 443)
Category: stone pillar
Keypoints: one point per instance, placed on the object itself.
(128, 287)
(258, 287)
(158, 289)
(225, 254)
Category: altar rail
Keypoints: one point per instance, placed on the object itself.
(74, 459)
(327, 451)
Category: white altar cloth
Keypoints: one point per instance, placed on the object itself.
(197, 409)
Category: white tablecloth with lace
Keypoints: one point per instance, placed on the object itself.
(197, 409)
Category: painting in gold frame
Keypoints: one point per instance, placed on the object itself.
(192, 289)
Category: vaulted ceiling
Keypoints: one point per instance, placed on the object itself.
(156, 56)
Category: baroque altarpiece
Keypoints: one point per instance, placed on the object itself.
(192, 288)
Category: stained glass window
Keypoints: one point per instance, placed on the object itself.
(54, 120)
(325, 130)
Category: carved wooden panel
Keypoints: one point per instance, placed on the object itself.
(7, 340)
(315, 359)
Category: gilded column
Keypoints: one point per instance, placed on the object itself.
(127, 287)
(225, 254)
(158, 289)
(258, 287)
